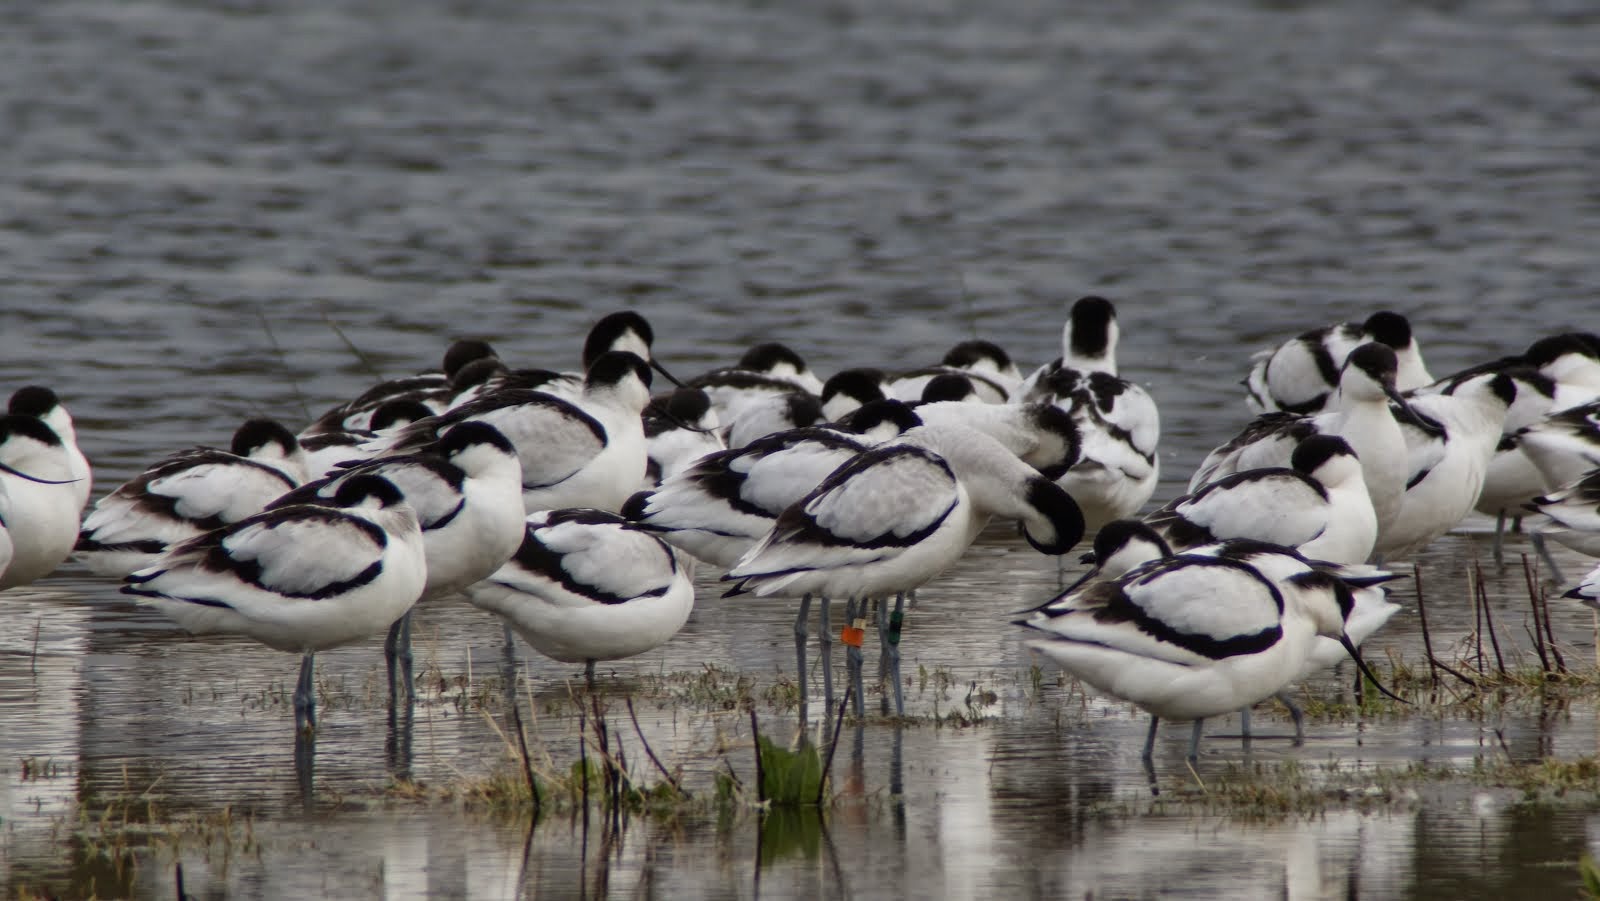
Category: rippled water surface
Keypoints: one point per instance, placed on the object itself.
(202, 203)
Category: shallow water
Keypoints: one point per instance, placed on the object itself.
(192, 195)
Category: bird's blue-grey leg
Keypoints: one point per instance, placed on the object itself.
(825, 639)
(1244, 724)
(1544, 554)
(896, 622)
(800, 637)
(1296, 714)
(1194, 740)
(305, 758)
(1499, 536)
(305, 696)
(1150, 739)
(883, 653)
(397, 657)
(854, 615)
(509, 652)
(407, 677)
(391, 648)
(588, 673)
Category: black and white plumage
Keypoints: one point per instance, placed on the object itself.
(300, 579)
(767, 414)
(679, 429)
(434, 389)
(1118, 426)
(586, 451)
(187, 494)
(765, 374)
(38, 500)
(588, 585)
(1555, 373)
(1042, 435)
(1119, 546)
(1446, 461)
(1587, 591)
(1124, 545)
(465, 490)
(717, 509)
(1190, 636)
(984, 364)
(949, 386)
(43, 404)
(1301, 375)
(899, 514)
(765, 367)
(1088, 343)
(326, 451)
(849, 389)
(1574, 511)
(621, 332)
(1318, 506)
(1359, 413)
(1564, 446)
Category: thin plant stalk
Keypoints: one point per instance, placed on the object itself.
(1488, 618)
(1533, 603)
(755, 739)
(833, 744)
(649, 752)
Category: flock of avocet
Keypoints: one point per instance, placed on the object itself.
(570, 504)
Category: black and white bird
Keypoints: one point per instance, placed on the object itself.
(584, 451)
(587, 585)
(848, 389)
(770, 365)
(465, 490)
(1587, 591)
(767, 414)
(620, 332)
(38, 500)
(1359, 413)
(1127, 544)
(986, 366)
(187, 494)
(1042, 435)
(299, 579)
(326, 451)
(1447, 458)
(1088, 343)
(1564, 446)
(1189, 637)
(765, 372)
(718, 508)
(433, 389)
(895, 517)
(1300, 375)
(1118, 427)
(42, 403)
(1319, 506)
(1555, 373)
(1574, 512)
(679, 428)
(949, 386)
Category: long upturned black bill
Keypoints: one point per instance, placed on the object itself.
(1404, 412)
(656, 365)
(1355, 654)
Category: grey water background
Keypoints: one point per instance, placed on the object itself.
(190, 193)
